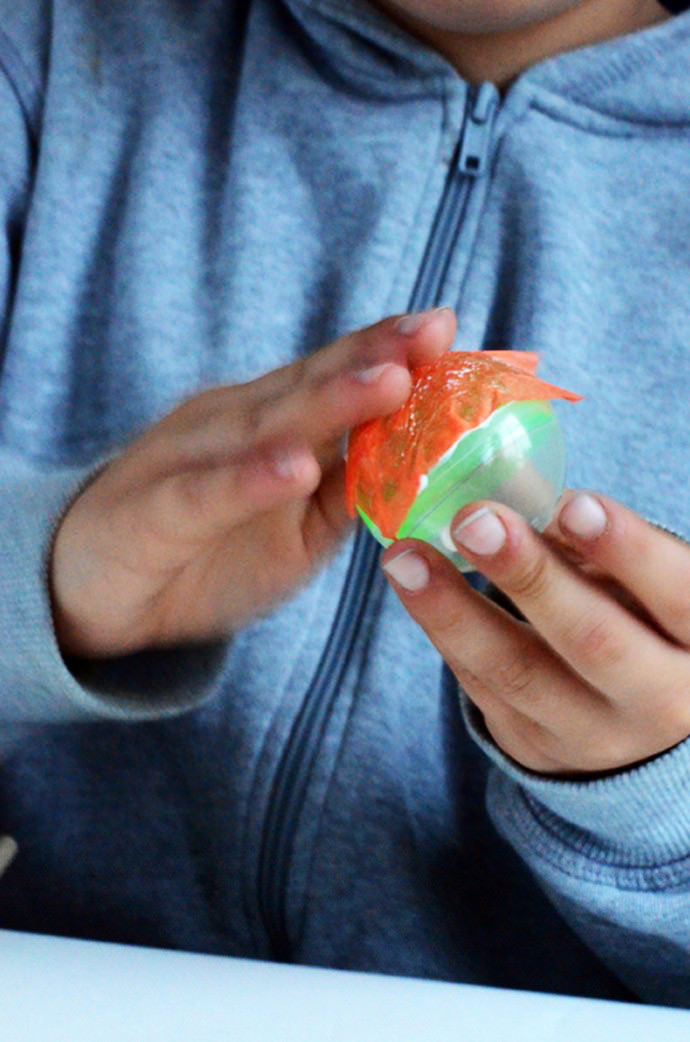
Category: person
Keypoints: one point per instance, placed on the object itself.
(227, 725)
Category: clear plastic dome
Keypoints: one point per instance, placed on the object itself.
(516, 457)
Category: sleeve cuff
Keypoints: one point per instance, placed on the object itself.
(36, 685)
(637, 818)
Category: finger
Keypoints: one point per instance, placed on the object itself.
(528, 696)
(407, 340)
(194, 505)
(326, 520)
(603, 643)
(652, 565)
(494, 655)
(360, 376)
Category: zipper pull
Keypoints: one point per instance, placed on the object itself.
(476, 135)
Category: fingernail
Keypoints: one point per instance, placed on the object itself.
(583, 516)
(289, 463)
(408, 325)
(369, 376)
(409, 570)
(481, 533)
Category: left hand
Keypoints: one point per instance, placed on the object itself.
(598, 677)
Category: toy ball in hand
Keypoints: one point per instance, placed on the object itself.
(477, 425)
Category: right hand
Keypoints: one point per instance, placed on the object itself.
(229, 502)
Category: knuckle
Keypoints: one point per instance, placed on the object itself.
(369, 347)
(299, 373)
(524, 739)
(516, 676)
(287, 398)
(474, 686)
(448, 624)
(302, 376)
(253, 421)
(185, 493)
(532, 580)
(597, 644)
(540, 750)
(447, 627)
(197, 408)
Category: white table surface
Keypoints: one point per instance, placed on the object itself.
(56, 990)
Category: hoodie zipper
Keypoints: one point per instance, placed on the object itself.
(363, 575)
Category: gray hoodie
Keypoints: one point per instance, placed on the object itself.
(195, 193)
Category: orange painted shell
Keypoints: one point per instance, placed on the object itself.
(387, 456)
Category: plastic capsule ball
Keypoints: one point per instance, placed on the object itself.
(477, 425)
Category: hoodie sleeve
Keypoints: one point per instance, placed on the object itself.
(36, 684)
(613, 855)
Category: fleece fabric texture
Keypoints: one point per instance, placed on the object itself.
(194, 194)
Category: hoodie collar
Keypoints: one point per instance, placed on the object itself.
(361, 37)
(642, 77)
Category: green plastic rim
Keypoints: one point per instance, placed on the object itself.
(482, 461)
